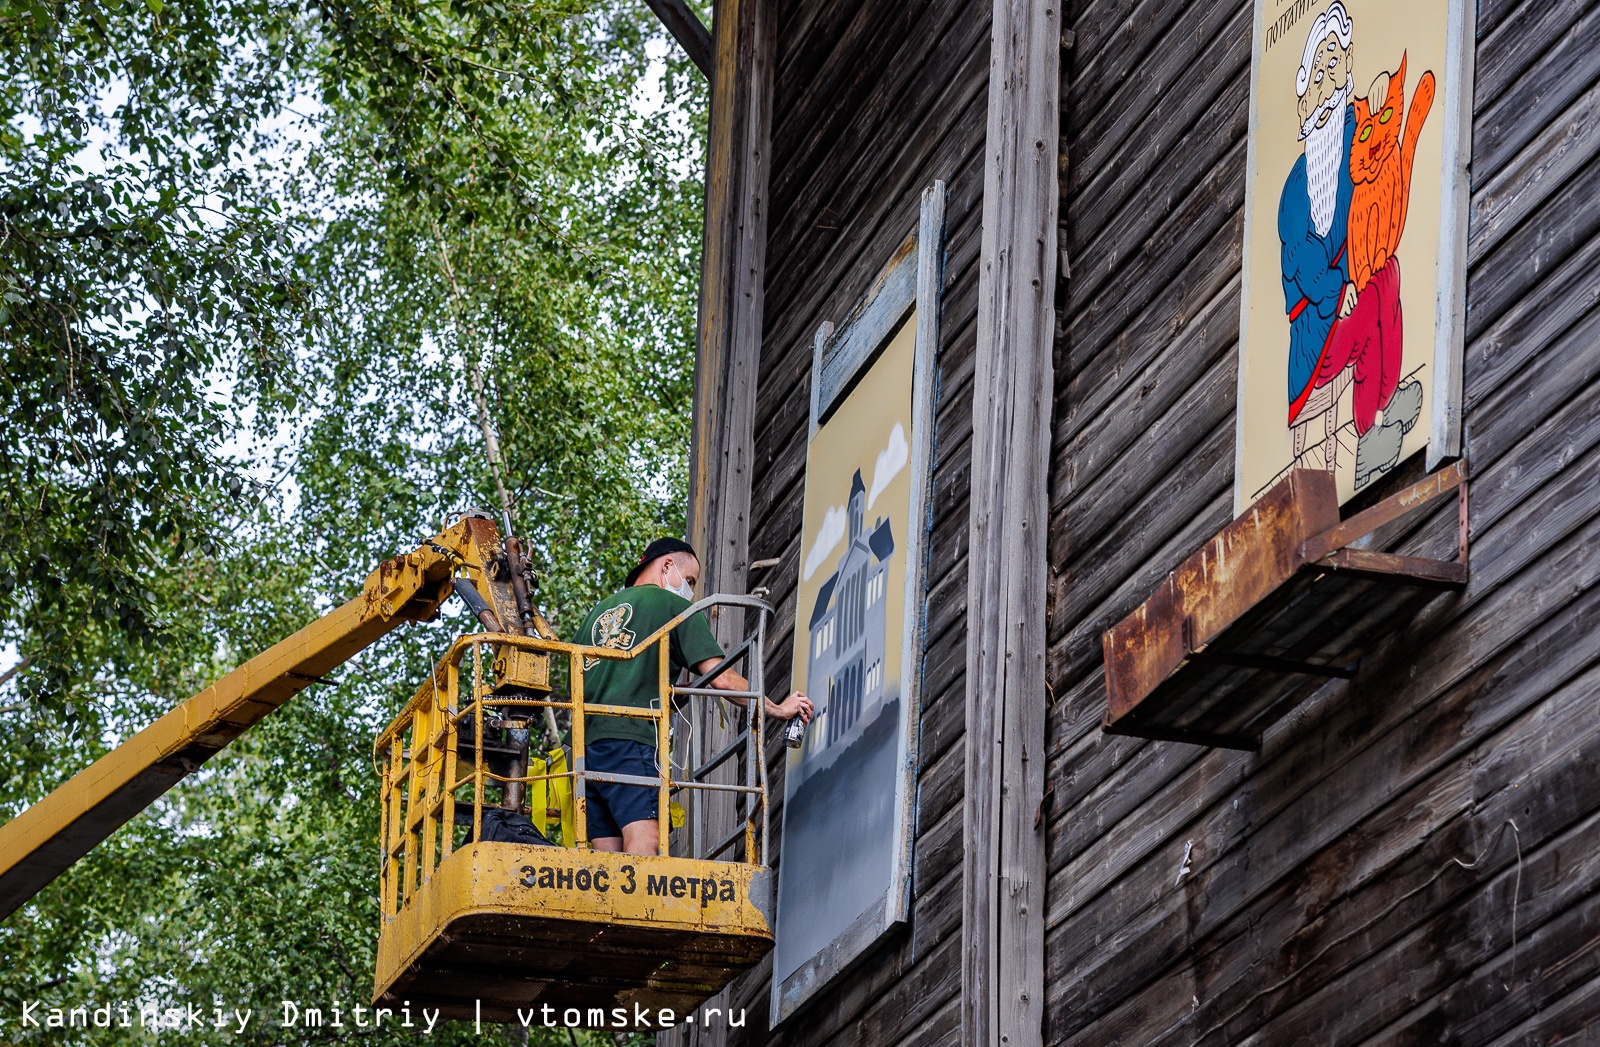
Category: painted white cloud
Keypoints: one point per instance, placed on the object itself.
(891, 460)
(834, 524)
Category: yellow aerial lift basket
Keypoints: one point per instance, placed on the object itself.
(484, 929)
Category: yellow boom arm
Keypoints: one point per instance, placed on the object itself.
(41, 842)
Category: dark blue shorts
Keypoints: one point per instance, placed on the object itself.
(611, 806)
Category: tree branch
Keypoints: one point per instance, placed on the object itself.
(6, 676)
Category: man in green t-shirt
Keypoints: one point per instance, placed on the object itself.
(658, 589)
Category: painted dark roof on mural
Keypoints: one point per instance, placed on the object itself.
(823, 596)
(881, 541)
(857, 485)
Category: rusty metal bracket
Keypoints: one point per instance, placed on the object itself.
(1396, 506)
(1275, 602)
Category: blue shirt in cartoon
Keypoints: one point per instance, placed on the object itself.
(1315, 269)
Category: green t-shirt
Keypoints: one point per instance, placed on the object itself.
(620, 621)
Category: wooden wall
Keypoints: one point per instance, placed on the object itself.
(1412, 857)
(872, 102)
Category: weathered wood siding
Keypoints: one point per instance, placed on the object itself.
(1412, 857)
(872, 102)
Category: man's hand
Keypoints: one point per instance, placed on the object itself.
(1347, 304)
(797, 704)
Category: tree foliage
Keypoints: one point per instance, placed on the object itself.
(138, 263)
(267, 275)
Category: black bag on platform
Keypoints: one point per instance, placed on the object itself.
(503, 826)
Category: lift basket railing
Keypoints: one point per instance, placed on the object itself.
(435, 769)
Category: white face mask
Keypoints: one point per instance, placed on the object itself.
(683, 588)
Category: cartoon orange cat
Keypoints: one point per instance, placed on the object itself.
(1380, 168)
(1368, 339)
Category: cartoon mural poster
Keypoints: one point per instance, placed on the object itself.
(1347, 198)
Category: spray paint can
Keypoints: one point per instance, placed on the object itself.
(794, 735)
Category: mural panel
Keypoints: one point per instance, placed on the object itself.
(844, 863)
(1355, 208)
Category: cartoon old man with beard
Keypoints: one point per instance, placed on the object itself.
(1337, 336)
(1313, 223)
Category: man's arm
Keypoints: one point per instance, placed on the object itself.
(797, 704)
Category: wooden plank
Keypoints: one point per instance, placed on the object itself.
(1521, 188)
(842, 353)
(942, 1028)
(939, 786)
(872, 186)
(1555, 242)
(1319, 893)
(728, 337)
(1095, 426)
(1508, 49)
(1003, 883)
(824, 273)
(848, 48)
(1155, 534)
(1561, 508)
(1116, 173)
(1157, 451)
(1485, 621)
(871, 69)
(781, 412)
(1558, 933)
(1572, 432)
(728, 344)
(1107, 340)
(1565, 1020)
(942, 733)
(686, 28)
(817, 286)
(1122, 43)
(1497, 15)
(1361, 870)
(1350, 890)
(1562, 71)
(928, 983)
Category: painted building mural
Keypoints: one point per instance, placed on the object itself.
(848, 629)
(841, 864)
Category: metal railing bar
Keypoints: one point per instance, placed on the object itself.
(655, 783)
(718, 787)
(727, 841)
(623, 779)
(713, 692)
(718, 760)
(527, 779)
(726, 663)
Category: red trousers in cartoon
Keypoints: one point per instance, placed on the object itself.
(1368, 341)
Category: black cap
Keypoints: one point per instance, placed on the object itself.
(655, 551)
